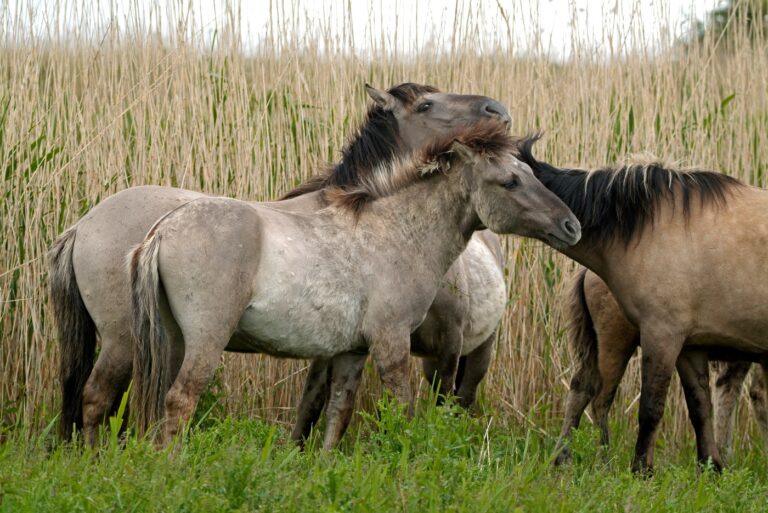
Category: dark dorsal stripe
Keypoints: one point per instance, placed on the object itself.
(619, 203)
(376, 142)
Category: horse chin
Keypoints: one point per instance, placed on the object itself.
(555, 241)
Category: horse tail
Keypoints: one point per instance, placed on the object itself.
(583, 338)
(76, 330)
(151, 348)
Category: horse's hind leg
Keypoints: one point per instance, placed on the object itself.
(727, 390)
(582, 390)
(441, 369)
(312, 400)
(759, 398)
(346, 370)
(612, 361)
(108, 380)
(199, 333)
(693, 368)
(181, 400)
(476, 366)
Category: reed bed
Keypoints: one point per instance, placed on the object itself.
(84, 115)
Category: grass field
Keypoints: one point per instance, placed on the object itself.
(86, 113)
(441, 461)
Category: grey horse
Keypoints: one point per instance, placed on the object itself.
(358, 276)
(89, 286)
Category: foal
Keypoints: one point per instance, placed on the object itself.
(680, 252)
(356, 277)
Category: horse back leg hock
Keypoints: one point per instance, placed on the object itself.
(693, 368)
(346, 370)
(109, 378)
(476, 366)
(312, 401)
(612, 362)
(730, 379)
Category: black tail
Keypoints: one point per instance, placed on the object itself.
(583, 337)
(77, 334)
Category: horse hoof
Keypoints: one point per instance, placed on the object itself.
(563, 457)
(713, 463)
(642, 470)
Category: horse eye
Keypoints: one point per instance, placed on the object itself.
(424, 107)
(514, 182)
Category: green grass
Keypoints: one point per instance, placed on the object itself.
(443, 460)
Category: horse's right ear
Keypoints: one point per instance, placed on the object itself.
(382, 98)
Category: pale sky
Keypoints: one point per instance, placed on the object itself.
(554, 27)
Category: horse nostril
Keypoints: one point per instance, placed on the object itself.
(570, 228)
(496, 110)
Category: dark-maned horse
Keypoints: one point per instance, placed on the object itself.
(681, 252)
(89, 285)
(357, 276)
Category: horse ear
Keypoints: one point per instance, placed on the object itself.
(464, 152)
(382, 98)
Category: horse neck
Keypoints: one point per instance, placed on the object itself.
(593, 255)
(431, 220)
(591, 252)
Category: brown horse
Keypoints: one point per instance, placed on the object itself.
(89, 286)
(680, 251)
(357, 276)
(604, 340)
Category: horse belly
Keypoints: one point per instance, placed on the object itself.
(744, 335)
(300, 321)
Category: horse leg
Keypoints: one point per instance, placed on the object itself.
(391, 352)
(582, 389)
(757, 394)
(612, 361)
(693, 368)
(727, 390)
(198, 337)
(476, 366)
(460, 372)
(109, 378)
(181, 400)
(443, 377)
(660, 351)
(312, 400)
(430, 368)
(346, 370)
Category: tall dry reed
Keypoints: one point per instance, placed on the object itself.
(84, 115)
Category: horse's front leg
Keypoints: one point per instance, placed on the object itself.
(391, 352)
(693, 368)
(346, 370)
(312, 401)
(660, 347)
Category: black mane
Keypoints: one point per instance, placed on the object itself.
(619, 203)
(377, 141)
